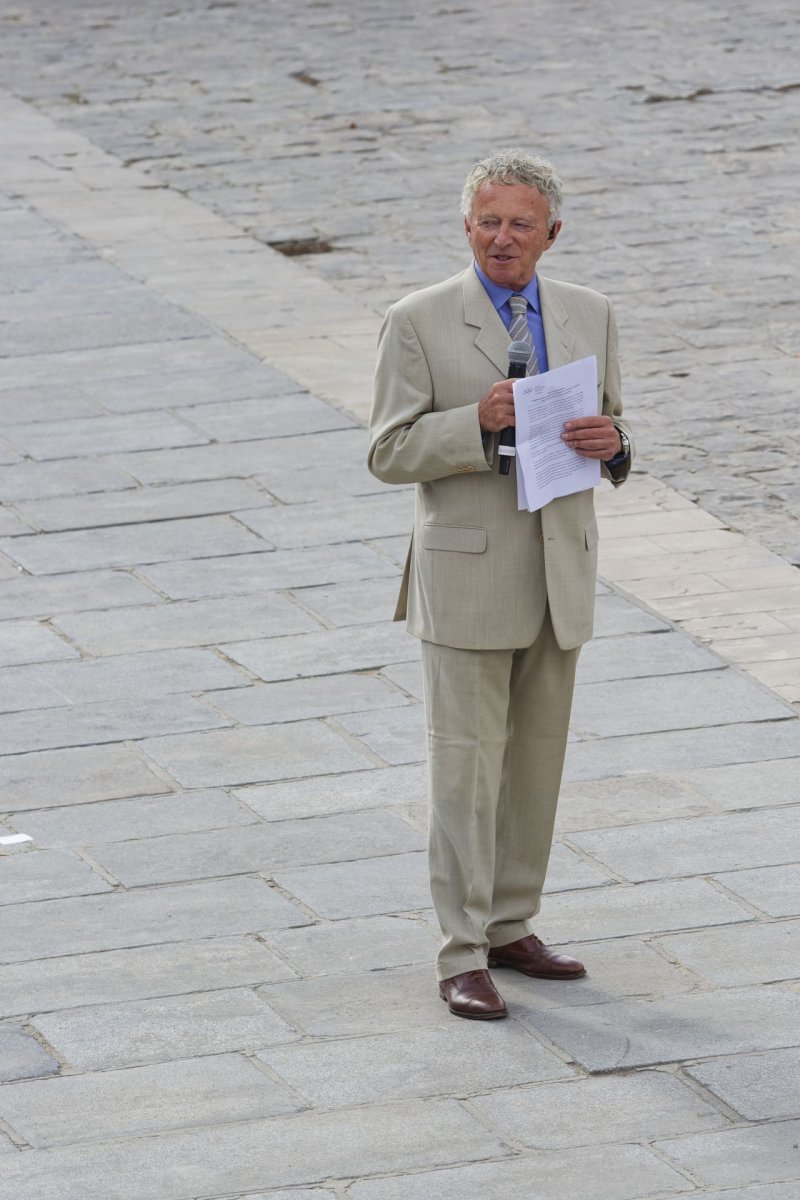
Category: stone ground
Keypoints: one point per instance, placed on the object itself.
(217, 939)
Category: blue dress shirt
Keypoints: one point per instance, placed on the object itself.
(499, 297)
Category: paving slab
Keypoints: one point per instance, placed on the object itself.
(598, 1111)
(102, 435)
(565, 869)
(30, 642)
(97, 1037)
(34, 480)
(184, 623)
(756, 953)
(352, 947)
(26, 597)
(323, 523)
(144, 504)
(249, 849)
(351, 603)
(696, 845)
(300, 699)
(395, 735)
(272, 417)
(139, 817)
(21, 1056)
(51, 928)
(360, 648)
(337, 793)
(254, 754)
(362, 889)
(614, 615)
(112, 721)
(663, 702)
(242, 573)
(759, 1086)
(642, 654)
(46, 875)
(214, 1089)
(622, 910)
(773, 890)
(272, 1153)
(616, 1172)
(636, 1033)
(739, 1156)
(61, 777)
(426, 1062)
(109, 976)
(132, 676)
(124, 545)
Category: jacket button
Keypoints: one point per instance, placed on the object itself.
(464, 470)
(541, 537)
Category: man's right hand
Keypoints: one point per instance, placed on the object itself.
(496, 409)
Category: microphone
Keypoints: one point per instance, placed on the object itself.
(518, 355)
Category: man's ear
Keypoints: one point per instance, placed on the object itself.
(468, 230)
(553, 232)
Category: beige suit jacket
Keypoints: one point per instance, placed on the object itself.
(480, 573)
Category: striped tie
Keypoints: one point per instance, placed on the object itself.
(518, 329)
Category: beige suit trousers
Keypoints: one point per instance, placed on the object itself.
(497, 723)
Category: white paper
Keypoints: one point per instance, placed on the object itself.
(14, 839)
(546, 466)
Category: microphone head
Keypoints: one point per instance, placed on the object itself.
(519, 353)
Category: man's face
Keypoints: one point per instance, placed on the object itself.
(509, 230)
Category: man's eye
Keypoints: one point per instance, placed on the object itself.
(523, 227)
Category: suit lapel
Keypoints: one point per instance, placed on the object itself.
(491, 336)
(558, 339)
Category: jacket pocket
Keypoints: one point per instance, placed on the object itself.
(591, 535)
(454, 537)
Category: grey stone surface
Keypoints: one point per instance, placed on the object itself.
(567, 870)
(697, 845)
(323, 523)
(102, 435)
(52, 928)
(616, 1173)
(402, 999)
(184, 623)
(123, 545)
(29, 642)
(773, 890)
(622, 910)
(133, 676)
(617, 708)
(113, 721)
(351, 603)
(21, 1056)
(337, 793)
(587, 1112)
(257, 848)
(269, 1153)
(614, 615)
(299, 699)
(360, 648)
(756, 953)
(26, 597)
(46, 875)
(139, 817)
(710, 747)
(642, 655)
(759, 1086)
(736, 1157)
(355, 946)
(419, 1063)
(254, 754)
(617, 1036)
(274, 417)
(747, 785)
(97, 1037)
(239, 574)
(58, 777)
(217, 1088)
(368, 887)
(395, 735)
(110, 976)
(38, 480)
(144, 504)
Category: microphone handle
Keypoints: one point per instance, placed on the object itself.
(507, 442)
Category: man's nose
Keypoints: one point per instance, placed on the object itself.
(503, 235)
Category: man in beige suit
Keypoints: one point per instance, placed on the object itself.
(502, 599)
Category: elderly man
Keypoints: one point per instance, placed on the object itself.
(501, 598)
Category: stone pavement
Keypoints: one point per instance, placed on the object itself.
(217, 939)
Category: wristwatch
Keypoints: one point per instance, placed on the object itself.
(624, 453)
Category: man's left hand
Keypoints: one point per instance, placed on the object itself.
(593, 437)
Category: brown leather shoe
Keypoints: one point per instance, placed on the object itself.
(532, 957)
(474, 996)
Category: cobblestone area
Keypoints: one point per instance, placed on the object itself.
(675, 128)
